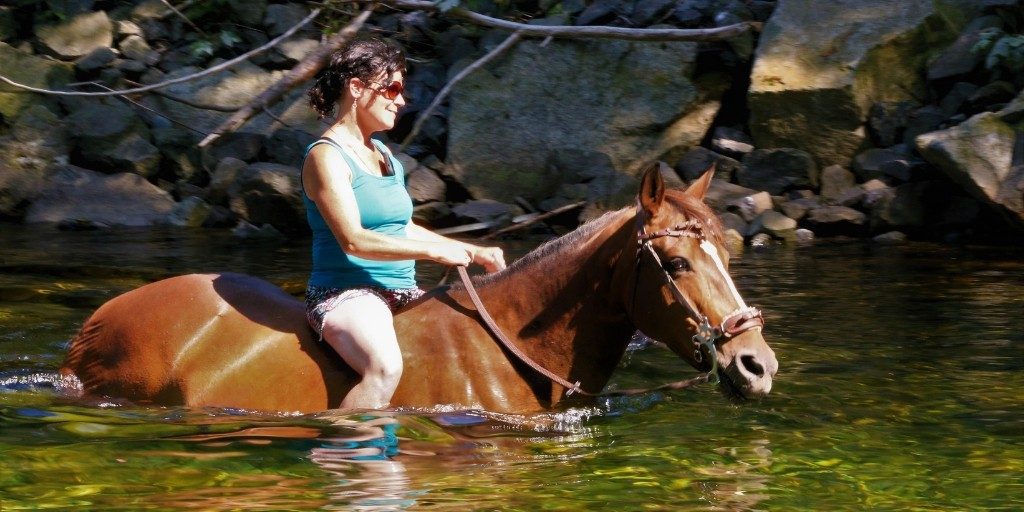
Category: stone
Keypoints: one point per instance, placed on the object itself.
(843, 54)
(990, 94)
(598, 11)
(268, 193)
(778, 170)
(774, 223)
(923, 120)
(287, 146)
(246, 12)
(247, 230)
(888, 120)
(803, 237)
(670, 177)
(109, 137)
(637, 102)
(721, 194)
(424, 186)
(244, 146)
(191, 212)
(797, 209)
(761, 241)
(280, 18)
(902, 208)
(431, 215)
(750, 207)
(867, 165)
(959, 59)
(136, 48)
(125, 28)
(890, 238)
(956, 97)
(76, 37)
(732, 221)
(32, 71)
(835, 180)
(647, 12)
(695, 162)
(983, 155)
(95, 60)
(731, 142)
(76, 194)
(487, 210)
(8, 25)
(294, 50)
(733, 241)
(837, 220)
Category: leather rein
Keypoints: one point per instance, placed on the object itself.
(737, 322)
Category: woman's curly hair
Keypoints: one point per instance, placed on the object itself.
(366, 59)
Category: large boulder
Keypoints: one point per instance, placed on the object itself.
(821, 64)
(267, 193)
(74, 194)
(633, 101)
(33, 71)
(111, 138)
(37, 143)
(984, 155)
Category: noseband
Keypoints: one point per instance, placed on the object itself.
(737, 322)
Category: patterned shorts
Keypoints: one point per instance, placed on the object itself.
(321, 300)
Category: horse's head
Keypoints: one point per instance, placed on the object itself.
(681, 293)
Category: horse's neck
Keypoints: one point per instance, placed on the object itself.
(563, 309)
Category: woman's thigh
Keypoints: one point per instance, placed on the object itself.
(362, 331)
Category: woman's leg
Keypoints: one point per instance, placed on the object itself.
(362, 331)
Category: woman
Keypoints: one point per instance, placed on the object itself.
(364, 244)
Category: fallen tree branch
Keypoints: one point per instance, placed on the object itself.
(219, 67)
(596, 32)
(506, 44)
(533, 220)
(302, 71)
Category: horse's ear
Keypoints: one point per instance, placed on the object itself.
(652, 191)
(699, 188)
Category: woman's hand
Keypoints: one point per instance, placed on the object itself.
(491, 258)
(451, 254)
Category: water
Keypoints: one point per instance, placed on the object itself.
(900, 388)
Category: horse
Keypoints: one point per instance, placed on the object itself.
(570, 306)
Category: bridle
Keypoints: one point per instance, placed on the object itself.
(739, 321)
(735, 323)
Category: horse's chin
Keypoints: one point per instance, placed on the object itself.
(728, 388)
(727, 378)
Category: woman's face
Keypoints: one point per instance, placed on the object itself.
(380, 101)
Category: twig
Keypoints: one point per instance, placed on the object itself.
(534, 220)
(214, 69)
(275, 117)
(598, 32)
(193, 104)
(182, 15)
(302, 71)
(506, 44)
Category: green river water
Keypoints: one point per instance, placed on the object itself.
(901, 387)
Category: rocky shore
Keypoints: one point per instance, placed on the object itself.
(837, 118)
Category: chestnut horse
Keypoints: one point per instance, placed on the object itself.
(571, 306)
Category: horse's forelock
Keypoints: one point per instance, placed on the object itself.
(696, 209)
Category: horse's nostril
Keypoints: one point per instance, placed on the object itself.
(750, 364)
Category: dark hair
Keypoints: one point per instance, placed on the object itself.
(366, 59)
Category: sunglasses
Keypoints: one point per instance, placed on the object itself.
(391, 91)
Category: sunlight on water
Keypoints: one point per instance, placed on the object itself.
(901, 387)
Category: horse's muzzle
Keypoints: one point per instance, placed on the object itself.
(750, 366)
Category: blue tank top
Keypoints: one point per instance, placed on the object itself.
(384, 207)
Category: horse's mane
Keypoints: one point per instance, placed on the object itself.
(691, 208)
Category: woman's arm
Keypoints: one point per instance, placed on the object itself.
(491, 258)
(327, 181)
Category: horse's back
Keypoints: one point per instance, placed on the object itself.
(206, 339)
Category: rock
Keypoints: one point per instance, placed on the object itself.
(959, 59)
(287, 146)
(670, 177)
(731, 142)
(694, 162)
(775, 224)
(902, 208)
(988, 95)
(797, 209)
(636, 101)
(281, 17)
(294, 50)
(1013, 112)
(424, 186)
(761, 241)
(111, 138)
(181, 158)
(890, 238)
(922, 120)
(246, 12)
(486, 210)
(432, 214)
(76, 37)
(647, 12)
(125, 28)
(33, 71)
(980, 156)
(837, 220)
(888, 120)
(8, 25)
(721, 194)
(248, 231)
(599, 11)
(95, 60)
(732, 221)
(867, 165)
(834, 181)
(733, 241)
(135, 48)
(956, 97)
(851, 197)
(778, 170)
(842, 54)
(571, 165)
(803, 237)
(76, 194)
(751, 206)
(191, 212)
(267, 193)
(244, 146)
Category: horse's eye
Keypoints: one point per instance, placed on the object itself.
(677, 265)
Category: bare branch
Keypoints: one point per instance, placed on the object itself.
(597, 32)
(302, 71)
(533, 220)
(506, 44)
(220, 67)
